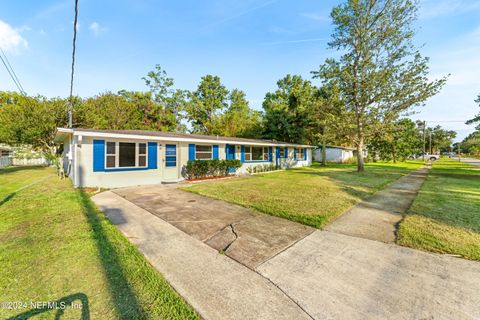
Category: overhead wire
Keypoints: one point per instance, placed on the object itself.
(11, 71)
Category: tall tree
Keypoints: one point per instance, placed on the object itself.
(380, 72)
(476, 119)
(205, 103)
(170, 102)
(110, 111)
(26, 120)
(327, 126)
(287, 111)
(439, 139)
(239, 120)
(396, 141)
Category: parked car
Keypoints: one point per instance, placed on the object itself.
(432, 157)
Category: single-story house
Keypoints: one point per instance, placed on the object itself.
(120, 158)
(335, 154)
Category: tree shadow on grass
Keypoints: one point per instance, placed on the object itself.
(60, 306)
(356, 184)
(122, 295)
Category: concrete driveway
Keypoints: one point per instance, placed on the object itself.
(282, 269)
(242, 234)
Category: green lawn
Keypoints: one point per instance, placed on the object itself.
(55, 246)
(445, 216)
(310, 195)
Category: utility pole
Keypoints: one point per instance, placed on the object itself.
(431, 151)
(70, 103)
(424, 128)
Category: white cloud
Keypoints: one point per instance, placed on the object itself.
(96, 29)
(10, 38)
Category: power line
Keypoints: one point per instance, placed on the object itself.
(11, 72)
(70, 106)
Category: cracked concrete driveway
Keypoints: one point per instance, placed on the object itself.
(242, 234)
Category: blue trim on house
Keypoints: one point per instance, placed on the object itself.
(98, 155)
(256, 161)
(305, 154)
(294, 153)
(242, 154)
(215, 151)
(191, 152)
(277, 155)
(286, 153)
(270, 156)
(152, 155)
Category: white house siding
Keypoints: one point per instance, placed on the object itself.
(338, 155)
(84, 175)
(79, 152)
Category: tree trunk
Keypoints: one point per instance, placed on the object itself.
(360, 141)
(394, 155)
(324, 152)
(360, 161)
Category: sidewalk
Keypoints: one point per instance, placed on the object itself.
(376, 218)
(216, 286)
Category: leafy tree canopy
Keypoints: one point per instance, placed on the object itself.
(380, 73)
(287, 111)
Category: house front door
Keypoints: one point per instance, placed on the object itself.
(230, 154)
(170, 162)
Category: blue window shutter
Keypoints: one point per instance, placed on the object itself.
(305, 154)
(286, 152)
(242, 154)
(277, 154)
(294, 153)
(152, 155)
(270, 154)
(215, 151)
(191, 152)
(98, 155)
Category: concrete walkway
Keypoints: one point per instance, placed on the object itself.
(377, 217)
(216, 286)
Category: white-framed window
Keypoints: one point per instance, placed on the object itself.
(254, 153)
(300, 153)
(282, 152)
(203, 152)
(120, 154)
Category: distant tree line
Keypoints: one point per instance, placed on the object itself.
(361, 99)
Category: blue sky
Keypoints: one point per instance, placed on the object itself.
(250, 44)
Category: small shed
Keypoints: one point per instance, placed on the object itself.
(335, 154)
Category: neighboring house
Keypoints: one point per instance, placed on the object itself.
(120, 158)
(335, 154)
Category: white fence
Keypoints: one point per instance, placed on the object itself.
(30, 162)
(5, 162)
(9, 161)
